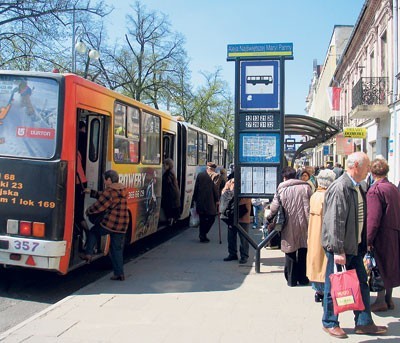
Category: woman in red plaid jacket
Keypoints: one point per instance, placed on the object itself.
(111, 204)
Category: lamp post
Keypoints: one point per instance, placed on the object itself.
(80, 47)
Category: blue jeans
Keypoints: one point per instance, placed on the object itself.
(329, 319)
(258, 210)
(116, 247)
(318, 287)
(232, 241)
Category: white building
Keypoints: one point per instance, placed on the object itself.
(366, 74)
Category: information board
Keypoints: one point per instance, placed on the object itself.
(258, 180)
(259, 147)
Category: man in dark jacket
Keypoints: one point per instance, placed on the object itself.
(344, 239)
(206, 198)
(112, 202)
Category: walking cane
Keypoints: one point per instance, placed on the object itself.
(219, 226)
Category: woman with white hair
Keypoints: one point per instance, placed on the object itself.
(316, 259)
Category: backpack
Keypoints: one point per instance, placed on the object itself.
(227, 207)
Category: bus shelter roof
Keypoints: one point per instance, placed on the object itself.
(317, 130)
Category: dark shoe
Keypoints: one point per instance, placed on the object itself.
(87, 258)
(118, 277)
(371, 329)
(204, 240)
(382, 307)
(304, 282)
(243, 261)
(230, 258)
(390, 305)
(336, 331)
(318, 297)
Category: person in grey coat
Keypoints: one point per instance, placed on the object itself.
(295, 197)
(344, 238)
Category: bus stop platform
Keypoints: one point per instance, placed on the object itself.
(183, 291)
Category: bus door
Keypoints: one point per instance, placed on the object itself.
(95, 157)
(168, 141)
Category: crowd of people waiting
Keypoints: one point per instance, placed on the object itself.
(327, 224)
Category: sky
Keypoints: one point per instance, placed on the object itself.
(210, 25)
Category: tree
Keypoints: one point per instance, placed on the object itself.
(181, 97)
(207, 99)
(155, 50)
(32, 32)
(213, 107)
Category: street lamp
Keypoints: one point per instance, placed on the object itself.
(80, 47)
(94, 54)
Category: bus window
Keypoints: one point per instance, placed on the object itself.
(209, 152)
(168, 146)
(126, 134)
(221, 153)
(192, 148)
(215, 153)
(133, 134)
(150, 139)
(28, 116)
(94, 140)
(202, 149)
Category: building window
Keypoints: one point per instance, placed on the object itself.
(384, 71)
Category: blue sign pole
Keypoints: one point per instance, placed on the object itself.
(259, 123)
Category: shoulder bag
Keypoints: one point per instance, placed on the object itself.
(280, 217)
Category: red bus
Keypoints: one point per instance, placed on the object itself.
(40, 114)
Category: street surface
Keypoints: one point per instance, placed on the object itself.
(25, 292)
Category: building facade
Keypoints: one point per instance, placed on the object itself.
(366, 74)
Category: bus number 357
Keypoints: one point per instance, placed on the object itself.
(26, 245)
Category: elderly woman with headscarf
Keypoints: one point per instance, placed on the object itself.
(316, 258)
(306, 176)
(383, 231)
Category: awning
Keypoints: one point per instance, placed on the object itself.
(317, 130)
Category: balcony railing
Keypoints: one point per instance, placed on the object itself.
(339, 121)
(370, 91)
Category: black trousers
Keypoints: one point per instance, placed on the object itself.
(206, 222)
(295, 267)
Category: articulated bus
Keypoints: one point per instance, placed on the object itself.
(40, 118)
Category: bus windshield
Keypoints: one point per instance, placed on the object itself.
(28, 116)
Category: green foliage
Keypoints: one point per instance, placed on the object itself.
(150, 65)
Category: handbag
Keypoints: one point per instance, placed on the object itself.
(345, 291)
(375, 281)
(280, 217)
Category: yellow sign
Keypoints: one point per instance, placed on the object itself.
(355, 132)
